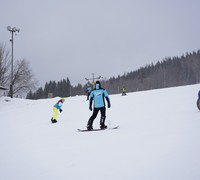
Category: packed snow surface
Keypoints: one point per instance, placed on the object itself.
(158, 138)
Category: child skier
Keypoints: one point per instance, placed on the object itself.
(57, 107)
(97, 95)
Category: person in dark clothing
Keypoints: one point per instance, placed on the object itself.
(88, 92)
(198, 100)
(97, 98)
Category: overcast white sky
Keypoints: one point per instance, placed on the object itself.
(75, 38)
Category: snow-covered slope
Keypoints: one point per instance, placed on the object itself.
(158, 138)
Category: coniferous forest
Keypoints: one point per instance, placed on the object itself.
(169, 72)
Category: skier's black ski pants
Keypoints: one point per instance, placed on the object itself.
(94, 115)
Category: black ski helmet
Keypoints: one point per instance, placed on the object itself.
(98, 82)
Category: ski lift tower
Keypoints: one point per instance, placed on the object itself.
(93, 79)
(12, 30)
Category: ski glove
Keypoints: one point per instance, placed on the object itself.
(109, 105)
(90, 108)
(60, 110)
(108, 101)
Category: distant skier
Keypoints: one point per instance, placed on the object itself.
(98, 95)
(198, 100)
(123, 91)
(57, 107)
(89, 89)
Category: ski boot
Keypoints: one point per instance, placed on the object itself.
(102, 122)
(89, 127)
(53, 120)
(103, 126)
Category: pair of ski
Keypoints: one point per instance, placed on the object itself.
(85, 130)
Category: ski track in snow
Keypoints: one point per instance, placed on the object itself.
(158, 138)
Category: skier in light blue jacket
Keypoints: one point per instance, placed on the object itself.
(97, 98)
